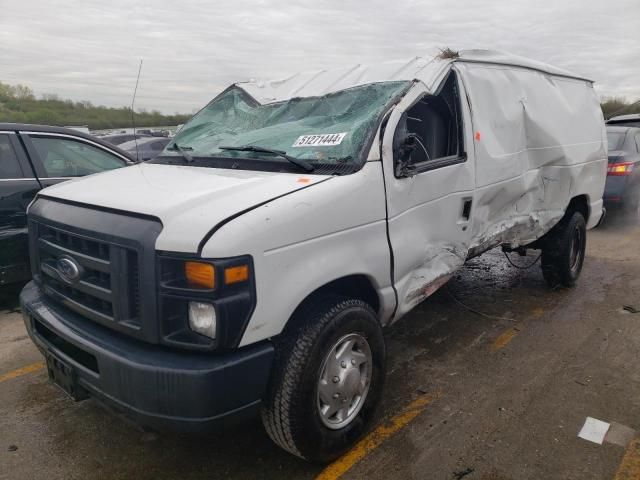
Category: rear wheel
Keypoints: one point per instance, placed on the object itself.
(328, 379)
(563, 251)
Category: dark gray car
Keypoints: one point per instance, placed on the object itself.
(630, 120)
(33, 157)
(120, 138)
(146, 148)
(623, 173)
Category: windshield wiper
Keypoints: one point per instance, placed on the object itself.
(183, 151)
(306, 166)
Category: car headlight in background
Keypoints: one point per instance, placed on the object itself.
(202, 318)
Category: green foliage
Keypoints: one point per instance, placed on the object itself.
(18, 104)
(612, 106)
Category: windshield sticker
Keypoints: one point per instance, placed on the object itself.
(324, 140)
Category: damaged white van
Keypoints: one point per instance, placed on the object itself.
(254, 264)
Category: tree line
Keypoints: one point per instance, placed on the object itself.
(18, 104)
(618, 106)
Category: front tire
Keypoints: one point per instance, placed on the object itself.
(328, 379)
(564, 250)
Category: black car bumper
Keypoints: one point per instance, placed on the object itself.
(156, 386)
(616, 189)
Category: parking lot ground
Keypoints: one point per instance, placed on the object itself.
(492, 378)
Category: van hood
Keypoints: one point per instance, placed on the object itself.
(189, 201)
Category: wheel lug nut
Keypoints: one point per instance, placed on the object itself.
(344, 364)
(336, 379)
(336, 396)
(353, 362)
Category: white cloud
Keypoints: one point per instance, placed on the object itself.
(89, 50)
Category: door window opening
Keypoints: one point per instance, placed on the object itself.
(431, 130)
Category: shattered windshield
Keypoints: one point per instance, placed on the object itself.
(333, 128)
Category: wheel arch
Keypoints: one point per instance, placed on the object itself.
(357, 286)
(579, 203)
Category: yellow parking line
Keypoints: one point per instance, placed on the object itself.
(34, 367)
(630, 465)
(504, 339)
(537, 312)
(375, 438)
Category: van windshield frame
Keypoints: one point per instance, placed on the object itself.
(332, 132)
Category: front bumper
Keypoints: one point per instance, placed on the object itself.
(154, 385)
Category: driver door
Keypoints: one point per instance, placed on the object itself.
(430, 182)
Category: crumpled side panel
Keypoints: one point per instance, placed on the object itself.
(440, 262)
(539, 141)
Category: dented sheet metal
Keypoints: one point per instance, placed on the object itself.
(429, 69)
(436, 269)
(533, 140)
(540, 144)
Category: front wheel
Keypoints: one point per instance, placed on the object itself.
(564, 250)
(328, 379)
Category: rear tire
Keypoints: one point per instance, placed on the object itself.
(296, 412)
(563, 251)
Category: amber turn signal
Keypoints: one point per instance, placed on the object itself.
(236, 274)
(200, 275)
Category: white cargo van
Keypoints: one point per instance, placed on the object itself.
(254, 264)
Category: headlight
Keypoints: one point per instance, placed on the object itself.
(202, 318)
(204, 303)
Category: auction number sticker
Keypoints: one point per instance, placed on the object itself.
(323, 140)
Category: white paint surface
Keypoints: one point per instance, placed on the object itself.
(428, 69)
(594, 430)
(534, 139)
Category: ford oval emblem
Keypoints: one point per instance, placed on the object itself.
(68, 269)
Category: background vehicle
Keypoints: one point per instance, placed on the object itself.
(256, 261)
(120, 138)
(33, 157)
(623, 172)
(145, 148)
(630, 120)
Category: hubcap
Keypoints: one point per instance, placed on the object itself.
(344, 381)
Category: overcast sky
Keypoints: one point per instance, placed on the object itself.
(89, 50)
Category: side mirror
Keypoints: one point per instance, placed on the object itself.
(407, 146)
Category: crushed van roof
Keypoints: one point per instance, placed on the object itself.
(429, 69)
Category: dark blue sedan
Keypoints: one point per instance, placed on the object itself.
(623, 172)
